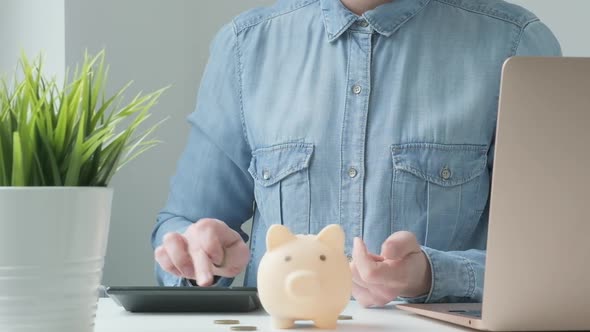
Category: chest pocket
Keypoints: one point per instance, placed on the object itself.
(439, 192)
(282, 189)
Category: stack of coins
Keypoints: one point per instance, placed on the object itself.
(226, 321)
(234, 322)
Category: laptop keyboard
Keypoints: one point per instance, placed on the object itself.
(470, 313)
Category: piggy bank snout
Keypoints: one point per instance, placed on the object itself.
(302, 284)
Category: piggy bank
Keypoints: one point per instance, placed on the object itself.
(304, 277)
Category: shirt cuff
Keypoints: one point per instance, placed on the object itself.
(453, 276)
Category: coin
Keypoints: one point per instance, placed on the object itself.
(344, 317)
(243, 328)
(226, 321)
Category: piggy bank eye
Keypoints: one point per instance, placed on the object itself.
(287, 258)
(322, 257)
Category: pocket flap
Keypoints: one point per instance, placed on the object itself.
(445, 165)
(270, 165)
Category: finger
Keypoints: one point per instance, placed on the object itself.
(356, 277)
(362, 295)
(208, 239)
(379, 293)
(227, 236)
(176, 249)
(236, 258)
(227, 253)
(215, 236)
(230, 247)
(161, 256)
(204, 268)
(376, 258)
(370, 271)
(370, 255)
(399, 245)
(229, 258)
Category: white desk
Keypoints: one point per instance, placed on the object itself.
(112, 318)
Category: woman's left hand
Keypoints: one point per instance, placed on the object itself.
(402, 269)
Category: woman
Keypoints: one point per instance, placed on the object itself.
(375, 115)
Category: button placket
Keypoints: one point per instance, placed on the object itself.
(353, 135)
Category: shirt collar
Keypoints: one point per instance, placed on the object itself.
(385, 19)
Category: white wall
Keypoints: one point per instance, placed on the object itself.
(568, 19)
(33, 26)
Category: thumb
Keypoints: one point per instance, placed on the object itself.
(399, 245)
(361, 255)
(236, 258)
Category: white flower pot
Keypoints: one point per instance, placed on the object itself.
(52, 247)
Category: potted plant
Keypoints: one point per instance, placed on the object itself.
(60, 145)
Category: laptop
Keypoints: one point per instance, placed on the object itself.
(537, 274)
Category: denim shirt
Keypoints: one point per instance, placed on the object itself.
(309, 115)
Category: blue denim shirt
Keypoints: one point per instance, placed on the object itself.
(309, 115)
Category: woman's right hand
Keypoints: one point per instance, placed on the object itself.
(207, 248)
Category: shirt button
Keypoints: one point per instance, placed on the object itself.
(352, 172)
(266, 175)
(356, 89)
(445, 173)
(364, 23)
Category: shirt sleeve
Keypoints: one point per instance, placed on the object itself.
(211, 178)
(458, 276)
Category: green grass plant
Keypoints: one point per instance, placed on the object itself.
(72, 134)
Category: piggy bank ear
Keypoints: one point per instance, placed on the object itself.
(333, 236)
(278, 235)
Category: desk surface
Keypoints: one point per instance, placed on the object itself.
(112, 318)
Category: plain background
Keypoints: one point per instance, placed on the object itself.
(30, 31)
(157, 43)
